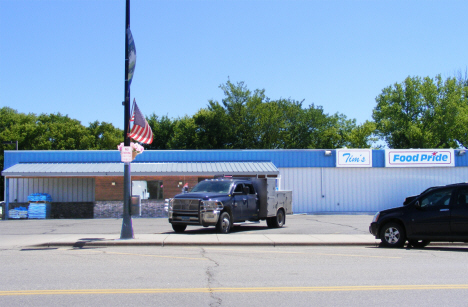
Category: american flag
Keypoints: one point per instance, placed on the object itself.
(141, 131)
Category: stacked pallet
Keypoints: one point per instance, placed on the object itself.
(18, 213)
(39, 210)
(39, 206)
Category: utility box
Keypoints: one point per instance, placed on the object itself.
(284, 199)
(271, 199)
(135, 205)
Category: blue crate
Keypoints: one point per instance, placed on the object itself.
(42, 197)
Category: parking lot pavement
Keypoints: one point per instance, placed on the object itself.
(298, 230)
(295, 224)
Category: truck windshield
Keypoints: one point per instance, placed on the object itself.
(213, 186)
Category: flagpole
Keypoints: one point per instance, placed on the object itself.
(127, 227)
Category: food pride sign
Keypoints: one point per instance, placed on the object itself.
(419, 157)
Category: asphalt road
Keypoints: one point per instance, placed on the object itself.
(295, 224)
(233, 276)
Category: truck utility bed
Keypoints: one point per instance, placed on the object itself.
(271, 199)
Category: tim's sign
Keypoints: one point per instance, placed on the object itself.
(353, 158)
(419, 157)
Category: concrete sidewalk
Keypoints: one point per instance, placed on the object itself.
(202, 239)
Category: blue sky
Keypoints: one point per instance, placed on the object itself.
(67, 56)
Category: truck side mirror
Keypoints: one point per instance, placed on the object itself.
(417, 204)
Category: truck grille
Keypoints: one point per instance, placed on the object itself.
(181, 204)
(186, 210)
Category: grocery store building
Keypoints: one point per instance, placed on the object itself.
(89, 184)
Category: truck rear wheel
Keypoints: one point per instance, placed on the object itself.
(178, 227)
(224, 223)
(278, 220)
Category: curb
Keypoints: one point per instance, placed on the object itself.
(83, 244)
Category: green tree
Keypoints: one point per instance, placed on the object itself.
(362, 136)
(184, 136)
(252, 120)
(269, 125)
(105, 135)
(212, 127)
(16, 126)
(422, 113)
(397, 114)
(163, 130)
(303, 125)
(59, 132)
(53, 131)
(240, 105)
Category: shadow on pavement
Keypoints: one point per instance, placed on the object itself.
(234, 229)
(38, 249)
(442, 249)
(456, 247)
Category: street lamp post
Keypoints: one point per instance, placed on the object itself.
(127, 226)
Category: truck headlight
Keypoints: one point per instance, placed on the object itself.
(170, 204)
(211, 205)
(376, 217)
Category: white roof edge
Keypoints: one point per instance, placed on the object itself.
(157, 168)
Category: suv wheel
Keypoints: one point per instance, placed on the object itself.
(393, 235)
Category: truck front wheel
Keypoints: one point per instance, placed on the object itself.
(179, 227)
(224, 223)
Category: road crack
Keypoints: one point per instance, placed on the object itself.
(210, 279)
(336, 224)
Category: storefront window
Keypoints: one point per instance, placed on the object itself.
(152, 189)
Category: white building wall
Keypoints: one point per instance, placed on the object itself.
(60, 189)
(330, 190)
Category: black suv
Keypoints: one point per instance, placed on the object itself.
(437, 214)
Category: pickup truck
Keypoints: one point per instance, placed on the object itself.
(224, 201)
